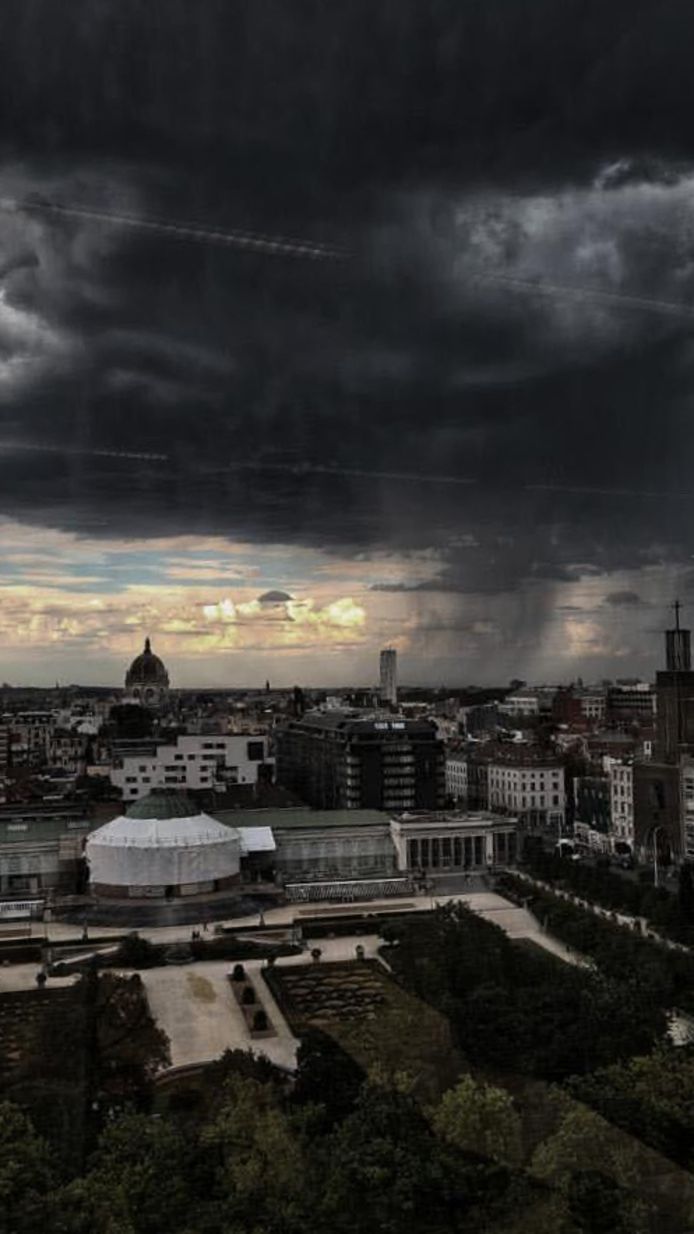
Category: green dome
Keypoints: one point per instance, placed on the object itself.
(163, 803)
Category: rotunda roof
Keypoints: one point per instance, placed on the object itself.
(163, 820)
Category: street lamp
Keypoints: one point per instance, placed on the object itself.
(654, 833)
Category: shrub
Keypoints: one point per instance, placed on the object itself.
(239, 973)
(248, 996)
(260, 1021)
(316, 954)
(136, 952)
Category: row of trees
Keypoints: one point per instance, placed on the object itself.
(262, 1162)
(671, 915)
(516, 1008)
(665, 975)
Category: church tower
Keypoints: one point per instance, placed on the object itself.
(675, 695)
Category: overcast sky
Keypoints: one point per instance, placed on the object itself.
(463, 429)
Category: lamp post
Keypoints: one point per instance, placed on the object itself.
(655, 854)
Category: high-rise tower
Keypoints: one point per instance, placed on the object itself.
(389, 676)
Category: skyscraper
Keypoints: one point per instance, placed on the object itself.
(389, 676)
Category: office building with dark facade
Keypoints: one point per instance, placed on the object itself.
(347, 760)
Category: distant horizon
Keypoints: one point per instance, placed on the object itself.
(336, 689)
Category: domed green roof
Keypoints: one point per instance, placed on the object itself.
(163, 803)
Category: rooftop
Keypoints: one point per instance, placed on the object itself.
(362, 721)
(37, 830)
(302, 818)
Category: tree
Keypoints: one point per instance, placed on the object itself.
(130, 1047)
(260, 1156)
(649, 1097)
(326, 1077)
(597, 1205)
(140, 1181)
(584, 1141)
(479, 1118)
(27, 1174)
(385, 1170)
(685, 896)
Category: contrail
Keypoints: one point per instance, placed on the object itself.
(302, 469)
(49, 448)
(608, 492)
(563, 290)
(285, 246)
(276, 246)
(296, 469)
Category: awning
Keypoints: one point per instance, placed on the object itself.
(256, 840)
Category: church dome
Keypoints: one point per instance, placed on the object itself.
(147, 669)
(147, 680)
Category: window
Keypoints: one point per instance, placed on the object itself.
(256, 751)
(131, 779)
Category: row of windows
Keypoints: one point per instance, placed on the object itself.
(535, 800)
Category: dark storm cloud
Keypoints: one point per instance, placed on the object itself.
(623, 599)
(438, 142)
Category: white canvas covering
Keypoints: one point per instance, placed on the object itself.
(132, 852)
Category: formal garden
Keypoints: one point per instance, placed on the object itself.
(371, 1017)
(320, 994)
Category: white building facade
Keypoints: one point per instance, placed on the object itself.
(516, 705)
(439, 842)
(536, 793)
(456, 778)
(621, 802)
(194, 763)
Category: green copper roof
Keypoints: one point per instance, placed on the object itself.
(282, 818)
(163, 803)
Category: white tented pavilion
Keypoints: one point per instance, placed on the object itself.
(163, 846)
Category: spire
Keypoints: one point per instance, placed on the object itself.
(677, 606)
(148, 647)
